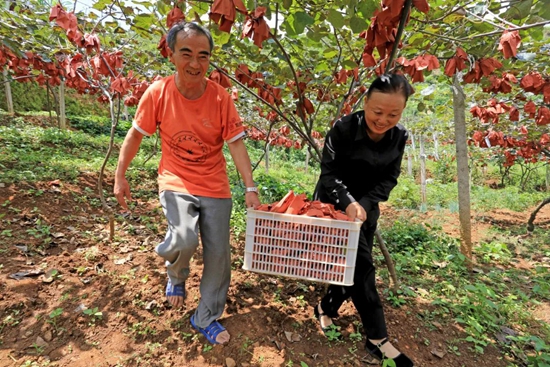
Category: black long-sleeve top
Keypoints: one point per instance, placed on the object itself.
(355, 168)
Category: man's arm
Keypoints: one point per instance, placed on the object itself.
(129, 149)
(242, 162)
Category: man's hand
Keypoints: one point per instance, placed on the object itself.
(356, 211)
(252, 200)
(122, 192)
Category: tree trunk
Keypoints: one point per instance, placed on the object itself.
(62, 117)
(389, 262)
(459, 108)
(307, 159)
(423, 202)
(530, 225)
(267, 158)
(7, 86)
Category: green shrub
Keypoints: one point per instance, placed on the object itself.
(96, 125)
(406, 194)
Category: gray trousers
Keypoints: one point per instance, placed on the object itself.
(187, 216)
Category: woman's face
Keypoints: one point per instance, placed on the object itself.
(383, 111)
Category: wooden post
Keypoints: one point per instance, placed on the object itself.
(62, 117)
(436, 145)
(7, 85)
(422, 172)
(409, 163)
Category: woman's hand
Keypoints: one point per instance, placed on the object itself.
(356, 211)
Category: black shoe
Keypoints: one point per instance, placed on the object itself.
(318, 317)
(374, 350)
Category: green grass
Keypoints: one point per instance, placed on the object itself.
(430, 266)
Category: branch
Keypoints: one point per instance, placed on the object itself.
(300, 95)
(439, 36)
(540, 24)
(404, 16)
(486, 20)
(296, 128)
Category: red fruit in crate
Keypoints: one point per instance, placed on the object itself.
(283, 204)
(313, 212)
(297, 204)
(264, 207)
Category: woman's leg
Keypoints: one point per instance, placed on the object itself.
(364, 294)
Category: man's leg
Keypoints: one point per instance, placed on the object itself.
(181, 241)
(216, 275)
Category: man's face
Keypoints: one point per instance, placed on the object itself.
(191, 57)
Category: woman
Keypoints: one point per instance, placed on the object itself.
(360, 166)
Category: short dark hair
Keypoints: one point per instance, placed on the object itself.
(391, 83)
(187, 28)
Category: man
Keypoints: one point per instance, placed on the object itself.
(194, 116)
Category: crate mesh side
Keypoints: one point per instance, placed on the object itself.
(299, 250)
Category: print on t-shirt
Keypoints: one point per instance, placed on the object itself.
(235, 123)
(187, 146)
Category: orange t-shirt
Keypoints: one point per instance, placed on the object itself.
(192, 134)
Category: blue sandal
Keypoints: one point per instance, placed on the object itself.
(210, 332)
(177, 290)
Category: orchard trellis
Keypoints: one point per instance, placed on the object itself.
(308, 64)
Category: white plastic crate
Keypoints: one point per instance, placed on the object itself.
(301, 247)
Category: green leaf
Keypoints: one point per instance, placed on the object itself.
(301, 20)
(519, 10)
(421, 107)
(101, 4)
(336, 18)
(349, 64)
(367, 8)
(330, 53)
(357, 24)
(542, 9)
(287, 4)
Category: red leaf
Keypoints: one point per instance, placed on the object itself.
(421, 5)
(341, 77)
(450, 67)
(220, 78)
(509, 43)
(224, 12)
(368, 60)
(532, 82)
(543, 116)
(530, 108)
(163, 47)
(514, 114)
(256, 27)
(175, 16)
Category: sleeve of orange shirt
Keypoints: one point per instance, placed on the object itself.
(145, 120)
(232, 125)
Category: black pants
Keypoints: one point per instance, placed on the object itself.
(363, 292)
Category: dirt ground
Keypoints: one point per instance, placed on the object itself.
(270, 319)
